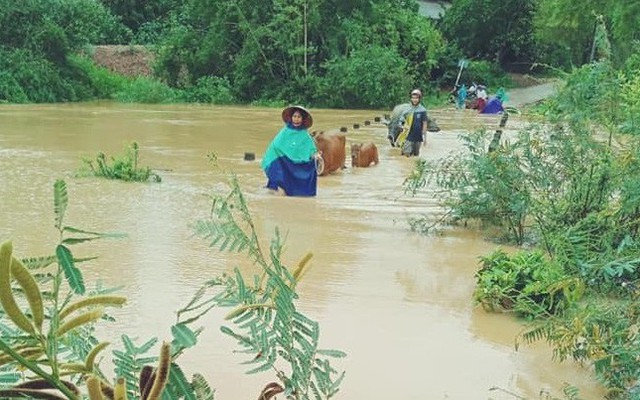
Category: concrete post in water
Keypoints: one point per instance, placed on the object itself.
(495, 142)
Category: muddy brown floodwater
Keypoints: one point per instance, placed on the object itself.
(398, 303)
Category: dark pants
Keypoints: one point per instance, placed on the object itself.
(411, 148)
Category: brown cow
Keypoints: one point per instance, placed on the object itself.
(363, 155)
(332, 148)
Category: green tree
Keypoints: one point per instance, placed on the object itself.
(36, 38)
(277, 49)
(367, 78)
(566, 29)
(136, 14)
(498, 31)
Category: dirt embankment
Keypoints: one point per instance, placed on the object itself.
(126, 60)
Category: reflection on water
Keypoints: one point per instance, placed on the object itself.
(399, 304)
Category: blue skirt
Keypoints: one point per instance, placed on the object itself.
(296, 179)
(493, 106)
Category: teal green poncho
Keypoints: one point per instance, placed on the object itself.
(295, 144)
(289, 163)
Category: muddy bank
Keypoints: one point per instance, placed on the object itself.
(519, 97)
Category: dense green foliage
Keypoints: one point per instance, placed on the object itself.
(50, 351)
(224, 51)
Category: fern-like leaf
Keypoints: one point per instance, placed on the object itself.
(201, 388)
(179, 384)
(38, 262)
(145, 347)
(183, 336)
(60, 201)
(332, 353)
(335, 385)
(9, 378)
(264, 367)
(71, 272)
(534, 335)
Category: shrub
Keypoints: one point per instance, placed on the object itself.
(38, 78)
(479, 184)
(10, 89)
(210, 89)
(630, 104)
(124, 167)
(87, 22)
(526, 283)
(366, 79)
(146, 90)
(105, 84)
(486, 73)
(268, 326)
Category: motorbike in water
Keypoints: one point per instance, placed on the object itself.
(396, 124)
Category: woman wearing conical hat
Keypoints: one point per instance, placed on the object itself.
(290, 159)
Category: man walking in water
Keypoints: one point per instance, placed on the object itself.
(416, 126)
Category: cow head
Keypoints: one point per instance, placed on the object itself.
(355, 153)
(331, 147)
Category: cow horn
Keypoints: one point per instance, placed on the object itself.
(319, 165)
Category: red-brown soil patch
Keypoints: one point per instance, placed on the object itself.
(126, 60)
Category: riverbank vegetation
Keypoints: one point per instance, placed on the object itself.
(48, 316)
(356, 54)
(566, 189)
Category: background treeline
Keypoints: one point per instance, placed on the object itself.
(333, 53)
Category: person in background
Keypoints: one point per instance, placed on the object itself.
(461, 101)
(495, 104)
(481, 93)
(290, 159)
(416, 126)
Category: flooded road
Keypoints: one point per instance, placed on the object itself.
(397, 303)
